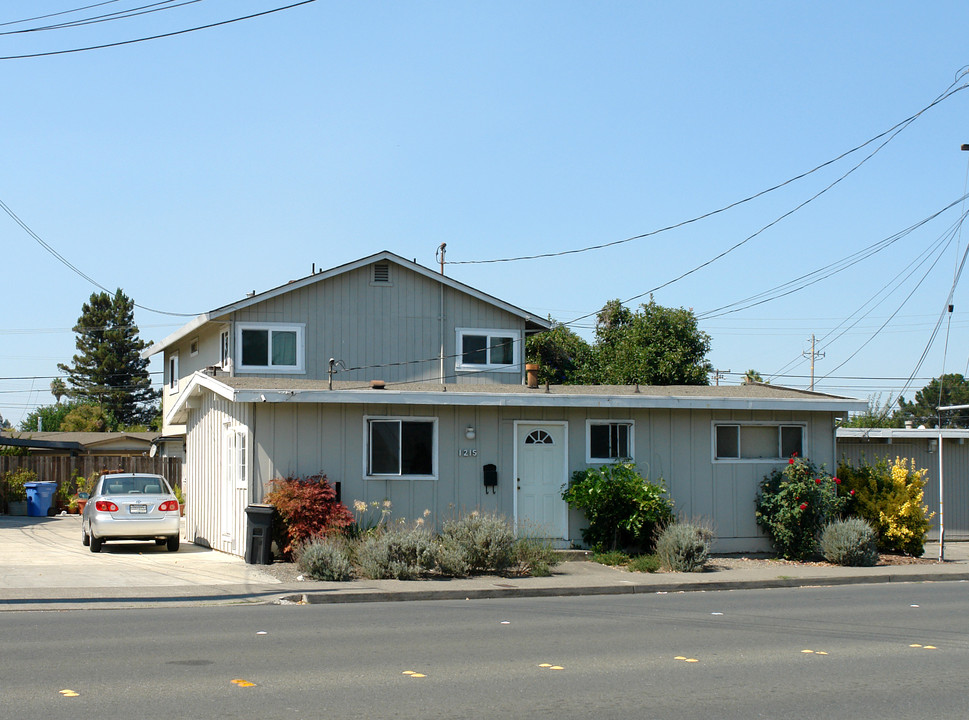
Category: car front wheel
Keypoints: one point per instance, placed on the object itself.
(85, 538)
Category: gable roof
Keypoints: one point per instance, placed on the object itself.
(532, 322)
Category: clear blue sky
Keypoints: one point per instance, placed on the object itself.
(193, 169)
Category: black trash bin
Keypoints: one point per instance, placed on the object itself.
(259, 535)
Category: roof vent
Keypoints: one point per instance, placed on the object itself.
(381, 272)
(377, 385)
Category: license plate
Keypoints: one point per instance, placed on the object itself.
(137, 509)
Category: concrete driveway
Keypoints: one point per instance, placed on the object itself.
(43, 558)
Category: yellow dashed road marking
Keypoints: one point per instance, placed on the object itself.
(243, 683)
(69, 693)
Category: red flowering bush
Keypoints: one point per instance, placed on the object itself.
(795, 504)
(306, 508)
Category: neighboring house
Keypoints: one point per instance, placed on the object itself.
(427, 407)
(59, 456)
(82, 443)
(921, 445)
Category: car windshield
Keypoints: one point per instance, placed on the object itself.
(127, 485)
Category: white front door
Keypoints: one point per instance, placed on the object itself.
(541, 453)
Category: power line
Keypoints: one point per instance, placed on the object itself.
(823, 273)
(44, 244)
(63, 12)
(156, 37)
(108, 17)
(892, 132)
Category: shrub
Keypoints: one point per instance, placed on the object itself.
(849, 542)
(533, 556)
(325, 558)
(889, 496)
(610, 557)
(305, 508)
(644, 563)
(684, 547)
(794, 505)
(399, 553)
(364, 522)
(14, 484)
(621, 506)
(486, 541)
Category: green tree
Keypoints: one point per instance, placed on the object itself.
(563, 357)
(878, 415)
(108, 368)
(48, 416)
(87, 418)
(752, 376)
(654, 345)
(58, 389)
(950, 389)
(4, 424)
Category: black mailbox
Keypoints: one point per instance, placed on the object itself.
(491, 478)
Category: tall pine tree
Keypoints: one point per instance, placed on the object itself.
(108, 367)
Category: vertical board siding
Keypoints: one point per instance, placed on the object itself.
(303, 439)
(955, 471)
(384, 332)
(214, 514)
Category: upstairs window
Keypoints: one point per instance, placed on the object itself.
(497, 350)
(224, 349)
(607, 441)
(270, 347)
(757, 442)
(173, 373)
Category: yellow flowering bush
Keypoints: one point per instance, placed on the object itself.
(889, 496)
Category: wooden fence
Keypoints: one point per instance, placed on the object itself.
(61, 469)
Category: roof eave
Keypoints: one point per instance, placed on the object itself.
(392, 397)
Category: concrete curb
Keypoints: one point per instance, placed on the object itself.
(338, 596)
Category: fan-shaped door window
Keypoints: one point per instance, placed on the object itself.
(539, 437)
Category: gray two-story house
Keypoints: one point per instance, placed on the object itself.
(402, 384)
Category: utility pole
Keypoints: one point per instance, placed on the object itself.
(718, 375)
(814, 355)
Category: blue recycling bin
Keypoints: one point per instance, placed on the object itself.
(39, 497)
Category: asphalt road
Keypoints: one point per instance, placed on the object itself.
(899, 651)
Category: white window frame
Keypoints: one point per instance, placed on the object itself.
(489, 333)
(298, 328)
(631, 424)
(754, 423)
(172, 373)
(237, 455)
(435, 447)
(225, 348)
(193, 347)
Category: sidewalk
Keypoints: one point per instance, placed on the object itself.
(43, 566)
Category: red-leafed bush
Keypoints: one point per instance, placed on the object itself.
(305, 508)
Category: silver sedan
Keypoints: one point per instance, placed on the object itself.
(131, 506)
